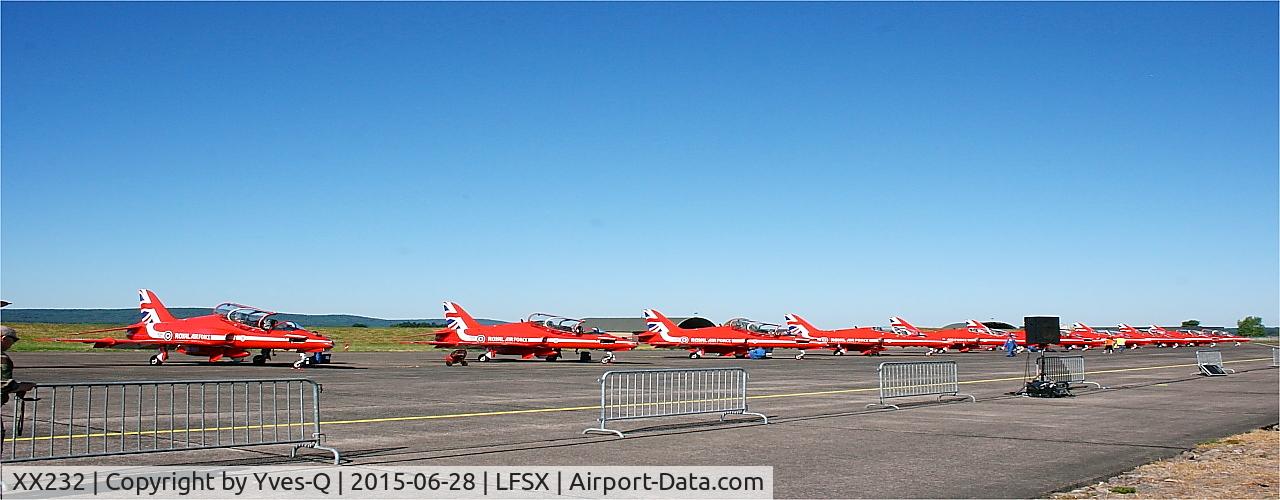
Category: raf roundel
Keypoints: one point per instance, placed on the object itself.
(480, 339)
(684, 340)
(168, 335)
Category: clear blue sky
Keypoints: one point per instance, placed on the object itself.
(1106, 162)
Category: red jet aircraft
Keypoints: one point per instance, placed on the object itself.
(868, 340)
(540, 335)
(1189, 337)
(1196, 337)
(1223, 336)
(231, 331)
(735, 337)
(1159, 339)
(973, 336)
(1080, 336)
(1066, 339)
(1132, 336)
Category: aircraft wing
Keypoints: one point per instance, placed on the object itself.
(115, 342)
(436, 335)
(116, 329)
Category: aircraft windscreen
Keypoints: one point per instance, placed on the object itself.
(559, 323)
(756, 326)
(249, 316)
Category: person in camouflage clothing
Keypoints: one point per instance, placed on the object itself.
(9, 336)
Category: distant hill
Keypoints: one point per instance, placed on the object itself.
(126, 316)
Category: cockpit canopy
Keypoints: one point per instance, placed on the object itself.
(557, 323)
(253, 317)
(756, 327)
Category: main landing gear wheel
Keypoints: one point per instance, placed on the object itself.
(694, 355)
(155, 360)
(553, 357)
(259, 360)
(736, 355)
(800, 356)
(608, 358)
(483, 357)
(839, 352)
(297, 365)
(584, 357)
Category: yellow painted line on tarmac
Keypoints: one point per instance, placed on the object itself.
(550, 410)
(462, 415)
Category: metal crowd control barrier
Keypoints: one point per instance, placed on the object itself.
(1069, 369)
(632, 394)
(58, 421)
(917, 378)
(1210, 363)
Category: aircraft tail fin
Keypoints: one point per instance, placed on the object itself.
(153, 311)
(457, 318)
(901, 326)
(799, 326)
(658, 323)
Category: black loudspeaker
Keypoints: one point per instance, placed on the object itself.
(1042, 329)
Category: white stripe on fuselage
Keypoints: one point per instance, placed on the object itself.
(181, 336)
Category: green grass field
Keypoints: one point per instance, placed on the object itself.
(359, 339)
